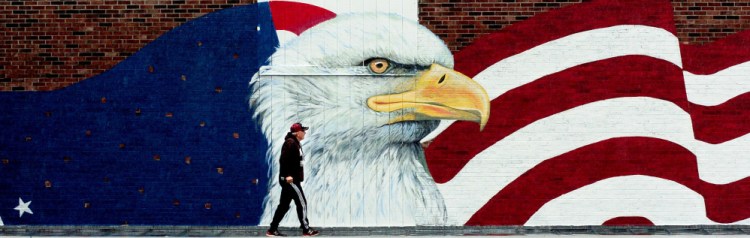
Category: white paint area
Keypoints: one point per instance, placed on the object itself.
(663, 202)
(549, 137)
(573, 50)
(717, 88)
(285, 36)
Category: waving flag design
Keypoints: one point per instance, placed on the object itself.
(595, 106)
(599, 116)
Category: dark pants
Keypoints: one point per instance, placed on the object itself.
(289, 192)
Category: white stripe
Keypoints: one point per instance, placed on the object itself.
(495, 167)
(303, 202)
(663, 202)
(717, 88)
(573, 50)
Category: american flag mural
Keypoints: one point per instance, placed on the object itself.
(598, 116)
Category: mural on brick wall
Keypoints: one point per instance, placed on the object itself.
(592, 114)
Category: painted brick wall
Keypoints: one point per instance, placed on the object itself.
(51, 44)
(589, 106)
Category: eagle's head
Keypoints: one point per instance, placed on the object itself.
(369, 86)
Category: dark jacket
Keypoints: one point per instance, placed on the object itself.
(290, 160)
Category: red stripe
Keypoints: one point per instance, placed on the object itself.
(628, 221)
(558, 23)
(719, 55)
(518, 201)
(297, 17)
(721, 123)
(626, 76)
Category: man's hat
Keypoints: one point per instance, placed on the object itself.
(298, 127)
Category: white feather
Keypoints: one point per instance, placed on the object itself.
(359, 170)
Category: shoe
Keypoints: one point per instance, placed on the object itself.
(273, 233)
(310, 232)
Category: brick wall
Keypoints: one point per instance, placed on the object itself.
(50, 44)
(704, 21)
(602, 127)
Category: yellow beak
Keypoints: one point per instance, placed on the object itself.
(439, 93)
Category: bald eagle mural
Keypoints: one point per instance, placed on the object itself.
(577, 116)
(370, 86)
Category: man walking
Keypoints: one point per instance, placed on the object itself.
(290, 175)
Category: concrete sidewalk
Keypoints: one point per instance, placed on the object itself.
(455, 231)
(324, 235)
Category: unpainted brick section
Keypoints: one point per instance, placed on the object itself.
(49, 44)
(700, 22)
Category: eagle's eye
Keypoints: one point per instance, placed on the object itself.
(378, 65)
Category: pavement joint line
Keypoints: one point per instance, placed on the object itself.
(203, 231)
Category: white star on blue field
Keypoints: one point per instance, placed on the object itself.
(23, 207)
(163, 138)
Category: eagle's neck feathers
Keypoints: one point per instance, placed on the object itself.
(354, 176)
